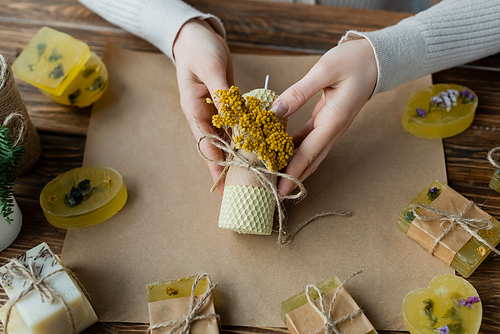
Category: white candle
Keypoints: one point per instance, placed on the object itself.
(40, 316)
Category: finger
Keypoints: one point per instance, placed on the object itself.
(303, 133)
(298, 94)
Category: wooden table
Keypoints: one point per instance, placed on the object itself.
(252, 27)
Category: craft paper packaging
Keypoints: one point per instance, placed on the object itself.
(305, 319)
(458, 248)
(173, 309)
(33, 314)
(171, 216)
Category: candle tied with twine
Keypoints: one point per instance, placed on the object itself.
(13, 114)
(330, 325)
(31, 275)
(261, 174)
(195, 307)
(468, 224)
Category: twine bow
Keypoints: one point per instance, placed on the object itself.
(490, 157)
(330, 324)
(468, 224)
(31, 275)
(184, 324)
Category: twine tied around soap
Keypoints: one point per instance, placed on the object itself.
(31, 275)
(330, 324)
(490, 157)
(468, 224)
(195, 306)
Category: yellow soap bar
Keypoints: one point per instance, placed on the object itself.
(495, 181)
(449, 305)
(51, 60)
(440, 111)
(87, 87)
(300, 299)
(177, 288)
(83, 197)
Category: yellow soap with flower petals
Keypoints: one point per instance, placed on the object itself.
(63, 68)
(440, 111)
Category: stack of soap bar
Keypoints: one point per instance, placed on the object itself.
(301, 318)
(495, 181)
(63, 68)
(468, 256)
(449, 305)
(83, 197)
(30, 314)
(427, 119)
(169, 301)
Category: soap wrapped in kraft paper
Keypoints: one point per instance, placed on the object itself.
(259, 148)
(183, 305)
(326, 307)
(451, 227)
(43, 296)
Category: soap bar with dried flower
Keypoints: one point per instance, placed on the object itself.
(301, 318)
(440, 111)
(83, 197)
(458, 248)
(170, 300)
(35, 314)
(63, 68)
(449, 305)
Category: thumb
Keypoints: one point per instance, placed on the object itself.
(298, 94)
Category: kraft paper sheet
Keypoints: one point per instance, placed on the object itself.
(168, 228)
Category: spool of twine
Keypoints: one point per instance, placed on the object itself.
(14, 115)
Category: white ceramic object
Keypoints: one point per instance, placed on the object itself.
(9, 232)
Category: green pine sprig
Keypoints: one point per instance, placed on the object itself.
(9, 171)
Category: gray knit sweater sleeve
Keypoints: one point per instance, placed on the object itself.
(157, 21)
(451, 33)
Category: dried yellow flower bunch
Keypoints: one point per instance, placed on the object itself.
(253, 128)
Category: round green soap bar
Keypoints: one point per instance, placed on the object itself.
(440, 111)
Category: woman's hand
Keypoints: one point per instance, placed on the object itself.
(203, 65)
(347, 74)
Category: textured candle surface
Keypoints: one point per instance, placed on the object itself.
(40, 316)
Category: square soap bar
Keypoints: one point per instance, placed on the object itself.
(33, 315)
(458, 249)
(170, 300)
(301, 318)
(495, 181)
(51, 60)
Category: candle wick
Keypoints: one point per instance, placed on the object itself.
(267, 81)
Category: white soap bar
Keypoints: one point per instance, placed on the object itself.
(42, 317)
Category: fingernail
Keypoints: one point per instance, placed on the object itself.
(280, 109)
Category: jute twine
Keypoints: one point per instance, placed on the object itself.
(468, 224)
(490, 157)
(35, 282)
(330, 325)
(195, 306)
(14, 115)
(262, 173)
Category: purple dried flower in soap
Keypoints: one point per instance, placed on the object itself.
(421, 112)
(465, 92)
(446, 100)
(444, 330)
(471, 97)
(436, 99)
(470, 301)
